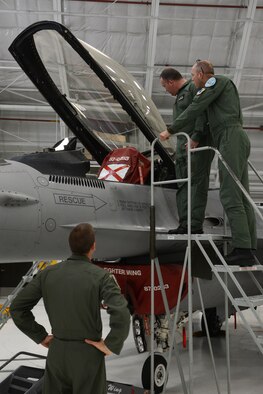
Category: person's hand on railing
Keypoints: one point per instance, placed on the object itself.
(165, 135)
(193, 144)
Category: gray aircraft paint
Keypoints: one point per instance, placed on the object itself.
(38, 211)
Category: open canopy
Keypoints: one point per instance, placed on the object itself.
(96, 97)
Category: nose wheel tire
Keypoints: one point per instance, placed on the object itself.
(160, 373)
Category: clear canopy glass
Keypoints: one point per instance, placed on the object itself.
(99, 110)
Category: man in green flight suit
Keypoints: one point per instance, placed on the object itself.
(198, 130)
(72, 292)
(219, 97)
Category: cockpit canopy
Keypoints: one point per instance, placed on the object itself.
(99, 100)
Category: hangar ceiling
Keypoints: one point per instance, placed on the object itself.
(144, 36)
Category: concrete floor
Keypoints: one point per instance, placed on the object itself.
(246, 360)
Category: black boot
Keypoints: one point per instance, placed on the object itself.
(183, 230)
(179, 230)
(241, 257)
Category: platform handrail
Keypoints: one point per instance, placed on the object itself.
(36, 356)
(233, 175)
(189, 238)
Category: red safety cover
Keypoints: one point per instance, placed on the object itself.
(125, 165)
(135, 284)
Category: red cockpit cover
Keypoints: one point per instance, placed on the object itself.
(125, 165)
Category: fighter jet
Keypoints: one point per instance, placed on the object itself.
(44, 195)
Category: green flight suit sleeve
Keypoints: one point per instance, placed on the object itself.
(200, 103)
(21, 307)
(201, 128)
(119, 314)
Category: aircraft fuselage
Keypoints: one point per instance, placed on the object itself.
(38, 211)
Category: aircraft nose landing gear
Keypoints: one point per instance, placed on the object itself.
(160, 373)
(139, 333)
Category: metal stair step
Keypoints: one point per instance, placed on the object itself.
(20, 379)
(237, 268)
(15, 389)
(255, 301)
(184, 237)
(20, 384)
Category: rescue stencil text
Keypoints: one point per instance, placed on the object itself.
(67, 199)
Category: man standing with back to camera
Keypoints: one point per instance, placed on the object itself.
(198, 130)
(72, 292)
(219, 96)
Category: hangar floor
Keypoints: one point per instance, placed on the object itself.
(246, 360)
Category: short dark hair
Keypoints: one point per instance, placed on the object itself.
(171, 74)
(81, 238)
